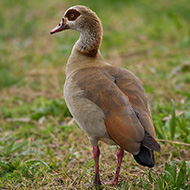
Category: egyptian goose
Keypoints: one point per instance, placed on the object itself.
(108, 103)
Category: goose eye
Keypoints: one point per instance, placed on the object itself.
(72, 15)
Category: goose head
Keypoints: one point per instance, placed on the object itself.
(85, 21)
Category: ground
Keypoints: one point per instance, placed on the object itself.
(41, 146)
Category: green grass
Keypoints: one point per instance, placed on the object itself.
(41, 147)
(172, 178)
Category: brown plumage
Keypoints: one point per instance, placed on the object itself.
(107, 102)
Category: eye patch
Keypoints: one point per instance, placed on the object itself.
(72, 14)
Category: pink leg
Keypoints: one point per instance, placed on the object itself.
(96, 153)
(120, 155)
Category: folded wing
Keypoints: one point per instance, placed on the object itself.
(121, 121)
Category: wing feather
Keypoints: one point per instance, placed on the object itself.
(129, 84)
(121, 121)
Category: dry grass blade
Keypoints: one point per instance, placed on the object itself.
(173, 142)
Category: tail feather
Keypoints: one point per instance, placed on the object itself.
(150, 143)
(145, 157)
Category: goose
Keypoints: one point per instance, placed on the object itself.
(108, 103)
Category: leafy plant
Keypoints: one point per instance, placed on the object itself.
(171, 179)
(13, 147)
(169, 125)
(52, 107)
(173, 121)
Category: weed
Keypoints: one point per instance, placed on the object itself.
(171, 178)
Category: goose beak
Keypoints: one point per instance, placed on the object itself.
(61, 26)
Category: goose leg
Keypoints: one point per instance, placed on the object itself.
(96, 154)
(120, 155)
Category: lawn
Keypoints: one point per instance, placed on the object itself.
(41, 146)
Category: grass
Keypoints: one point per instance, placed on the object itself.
(41, 147)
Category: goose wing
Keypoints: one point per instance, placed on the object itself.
(121, 121)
